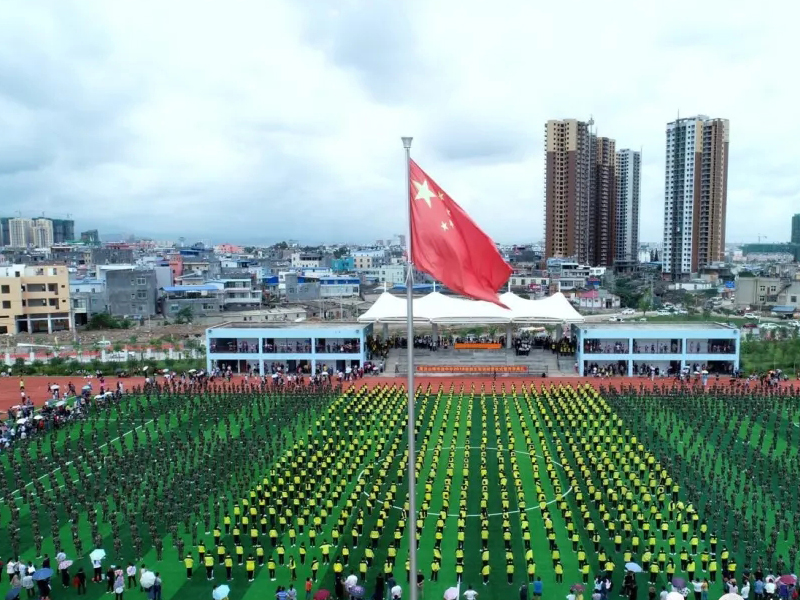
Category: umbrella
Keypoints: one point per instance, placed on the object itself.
(13, 593)
(61, 403)
(322, 595)
(165, 371)
(98, 554)
(577, 587)
(55, 387)
(65, 564)
(192, 370)
(679, 582)
(451, 594)
(357, 591)
(38, 417)
(633, 567)
(787, 579)
(61, 556)
(88, 386)
(42, 574)
(675, 596)
(731, 597)
(147, 579)
(21, 421)
(221, 592)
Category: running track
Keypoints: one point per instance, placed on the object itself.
(37, 387)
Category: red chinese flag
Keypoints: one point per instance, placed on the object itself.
(448, 245)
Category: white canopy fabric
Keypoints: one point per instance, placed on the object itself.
(555, 308)
(390, 309)
(438, 308)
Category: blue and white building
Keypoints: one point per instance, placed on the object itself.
(297, 347)
(635, 348)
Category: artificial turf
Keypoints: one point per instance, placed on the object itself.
(198, 453)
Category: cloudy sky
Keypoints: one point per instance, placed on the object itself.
(260, 120)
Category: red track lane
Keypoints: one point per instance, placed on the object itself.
(37, 387)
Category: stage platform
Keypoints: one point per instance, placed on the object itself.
(481, 362)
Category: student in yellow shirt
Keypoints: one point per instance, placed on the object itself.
(559, 569)
(271, 566)
(260, 555)
(209, 563)
(281, 554)
(239, 554)
(250, 567)
(229, 567)
(314, 568)
(485, 571)
(325, 547)
(188, 562)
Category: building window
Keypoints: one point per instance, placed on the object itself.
(141, 294)
(4, 289)
(6, 304)
(793, 299)
(141, 281)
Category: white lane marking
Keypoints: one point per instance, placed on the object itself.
(511, 512)
(68, 463)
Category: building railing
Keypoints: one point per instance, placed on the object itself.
(297, 348)
(606, 349)
(338, 348)
(233, 348)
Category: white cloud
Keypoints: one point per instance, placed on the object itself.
(258, 121)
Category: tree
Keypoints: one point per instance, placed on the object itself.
(184, 315)
(645, 303)
(341, 251)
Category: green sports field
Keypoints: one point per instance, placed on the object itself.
(498, 467)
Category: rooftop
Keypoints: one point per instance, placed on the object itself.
(293, 325)
(695, 326)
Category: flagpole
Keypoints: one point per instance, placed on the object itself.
(411, 524)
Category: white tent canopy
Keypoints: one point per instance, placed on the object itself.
(555, 308)
(438, 308)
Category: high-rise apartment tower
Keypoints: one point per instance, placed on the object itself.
(629, 191)
(580, 193)
(568, 148)
(695, 194)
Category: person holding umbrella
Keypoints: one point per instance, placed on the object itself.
(42, 579)
(63, 568)
(119, 584)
